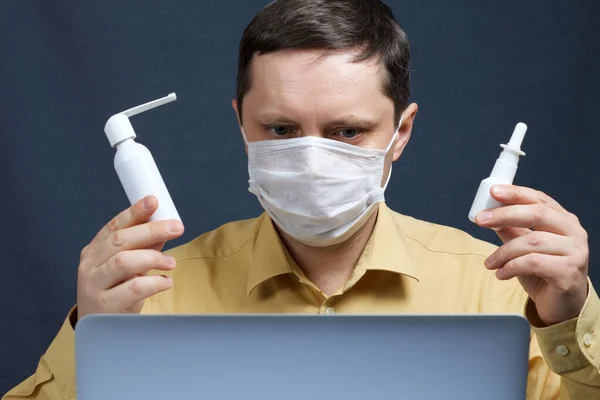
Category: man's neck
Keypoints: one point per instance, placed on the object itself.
(330, 267)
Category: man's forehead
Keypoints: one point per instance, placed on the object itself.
(316, 72)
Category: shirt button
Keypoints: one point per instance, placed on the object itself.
(587, 339)
(562, 350)
(330, 310)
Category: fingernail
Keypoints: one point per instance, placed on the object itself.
(499, 190)
(148, 203)
(168, 279)
(170, 261)
(500, 273)
(490, 260)
(484, 216)
(174, 226)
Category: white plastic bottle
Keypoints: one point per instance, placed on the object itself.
(135, 165)
(503, 173)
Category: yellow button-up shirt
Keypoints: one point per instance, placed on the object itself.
(407, 267)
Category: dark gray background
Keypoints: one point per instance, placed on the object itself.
(478, 69)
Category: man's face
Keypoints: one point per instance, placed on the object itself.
(299, 93)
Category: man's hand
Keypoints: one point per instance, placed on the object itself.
(545, 247)
(112, 270)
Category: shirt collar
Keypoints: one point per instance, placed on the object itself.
(387, 251)
(268, 255)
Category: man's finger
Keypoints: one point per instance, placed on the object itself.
(509, 233)
(129, 293)
(126, 264)
(157, 246)
(534, 216)
(137, 237)
(545, 266)
(533, 242)
(512, 194)
(138, 213)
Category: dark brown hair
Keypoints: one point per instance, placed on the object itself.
(366, 25)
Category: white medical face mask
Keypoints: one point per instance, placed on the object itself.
(318, 191)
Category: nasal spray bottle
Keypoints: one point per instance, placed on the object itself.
(135, 165)
(503, 173)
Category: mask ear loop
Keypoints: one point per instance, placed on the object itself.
(244, 136)
(389, 146)
(388, 149)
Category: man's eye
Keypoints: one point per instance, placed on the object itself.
(279, 130)
(349, 133)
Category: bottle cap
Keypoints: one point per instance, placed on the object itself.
(118, 127)
(516, 139)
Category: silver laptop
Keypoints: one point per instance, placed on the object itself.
(295, 357)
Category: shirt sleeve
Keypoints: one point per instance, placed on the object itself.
(54, 378)
(571, 350)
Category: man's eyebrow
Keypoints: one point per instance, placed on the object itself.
(351, 121)
(345, 121)
(274, 118)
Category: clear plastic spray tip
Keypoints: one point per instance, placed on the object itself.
(151, 104)
(517, 137)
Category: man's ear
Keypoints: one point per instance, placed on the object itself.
(234, 104)
(405, 130)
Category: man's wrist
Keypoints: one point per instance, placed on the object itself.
(572, 344)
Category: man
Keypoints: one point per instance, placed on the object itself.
(322, 104)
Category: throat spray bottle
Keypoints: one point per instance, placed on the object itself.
(503, 173)
(134, 163)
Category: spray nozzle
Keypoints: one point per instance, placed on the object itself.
(516, 139)
(150, 105)
(118, 128)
